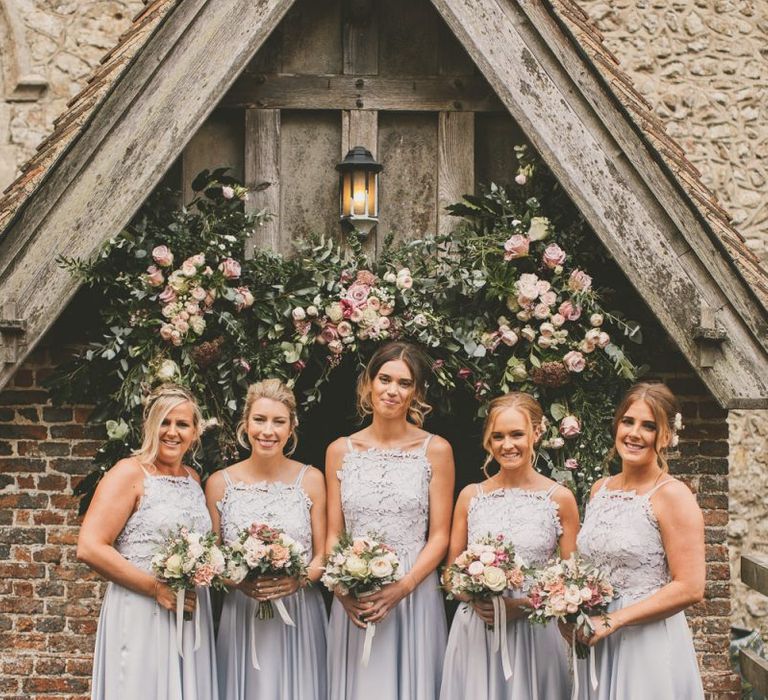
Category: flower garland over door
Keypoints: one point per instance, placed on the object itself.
(506, 302)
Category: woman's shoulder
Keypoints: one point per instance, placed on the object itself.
(438, 446)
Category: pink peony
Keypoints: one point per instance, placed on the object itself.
(579, 281)
(574, 361)
(553, 256)
(230, 268)
(204, 575)
(167, 296)
(516, 247)
(162, 256)
(154, 276)
(570, 427)
(570, 311)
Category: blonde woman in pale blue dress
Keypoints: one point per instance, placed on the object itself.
(539, 517)
(645, 529)
(270, 659)
(395, 481)
(138, 503)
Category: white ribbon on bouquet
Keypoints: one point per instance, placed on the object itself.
(284, 616)
(500, 634)
(180, 623)
(370, 631)
(574, 661)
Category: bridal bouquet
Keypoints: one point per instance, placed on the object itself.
(484, 570)
(261, 550)
(360, 566)
(571, 590)
(188, 559)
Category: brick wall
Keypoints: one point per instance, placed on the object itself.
(49, 603)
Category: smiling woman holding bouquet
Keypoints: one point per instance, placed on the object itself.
(136, 505)
(646, 531)
(391, 481)
(536, 516)
(271, 658)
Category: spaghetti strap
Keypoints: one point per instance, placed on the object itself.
(350, 447)
(426, 443)
(227, 479)
(302, 472)
(190, 473)
(552, 489)
(480, 491)
(648, 494)
(146, 473)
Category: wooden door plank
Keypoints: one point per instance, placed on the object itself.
(455, 164)
(262, 175)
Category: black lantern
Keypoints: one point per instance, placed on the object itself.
(359, 190)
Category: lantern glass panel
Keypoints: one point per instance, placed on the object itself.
(359, 194)
(346, 194)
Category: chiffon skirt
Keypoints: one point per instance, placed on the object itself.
(406, 655)
(292, 659)
(136, 655)
(653, 660)
(472, 669)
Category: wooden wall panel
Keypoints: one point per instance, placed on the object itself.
(455, 164)
(312, 37)
(218, 142)
(408, 38)
(310, 144)
(496, 135)
(408, 152)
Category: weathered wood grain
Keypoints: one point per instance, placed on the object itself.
(217, 143)
(455, 164)
(496, 136)
(408, 152)
(583, 154)
(133, 137)
(310, 143)
(408, 38)
(755, 669)
(452, 58)
(360, 34)
(311, 34)
(262, 176)
(426, 94)
(754, 572)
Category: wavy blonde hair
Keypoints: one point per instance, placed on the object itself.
(526, 404)
(663, 404)
(275, 390)
(416, 362)
(159, 404)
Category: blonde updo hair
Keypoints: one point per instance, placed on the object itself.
(275, 390)
(664, 406)
(159, 404)
(416, 362)
(526, 404)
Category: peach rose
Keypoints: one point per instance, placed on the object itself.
(230, 268)
(162, 256)
(516, 247)
(553, 256)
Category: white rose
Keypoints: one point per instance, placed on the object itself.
(335, 312)
(298, 314)
(356, 566)
(475, 568)
(312, 311)
(390, 277)
(404, 282)
(167, 371)
(172, 566)
(495, 578)
(596, 320)
(528, 333)
(572, 595)
(217, 559)
(539, 228)
(237, 572)
(487, 558)
(380, 567)
(198, 324)
(586, 594)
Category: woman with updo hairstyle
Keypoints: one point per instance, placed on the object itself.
(137, 504)
(269, 659)
(394, 481)
(540, 518)
(646, 531)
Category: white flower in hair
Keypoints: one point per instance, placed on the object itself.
(677, 423)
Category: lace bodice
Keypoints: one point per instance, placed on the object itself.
(385, 492)
(529, 519)
(621, 535)
(279, 505)
(168, 501)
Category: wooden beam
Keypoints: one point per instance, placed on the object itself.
(755, 669)
(133, 137)
(418, 94)
(754, 572)
(360, 37)
(262, 176)
(582, 153)
(455, 164)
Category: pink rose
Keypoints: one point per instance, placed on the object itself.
(386, 309)
(329, 333)
(336, 347)
(541, 311)
(574, 361)
(570, 311)
(230, 268)
(154, 276)
(557, 320)
(579, 281)
(548, 298)
(553, 256)
(570, 427)
(571, 464)
(299, 365)
(227, 192)
(366, 277)
(603, 340)
(198, 293)
(373, 303)
(521, 179)
(166, 331)
(162, 256)
(203, 575)
(344, 329)
(358, 293)
(243, 298)
(464, 373)
(188, 269)
(167, 296)
(516, 247)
